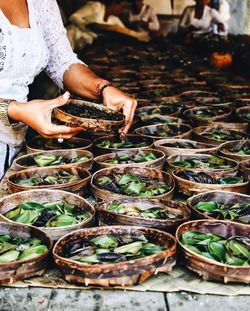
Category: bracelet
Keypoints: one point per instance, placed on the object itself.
(4, 103)
(101, 86)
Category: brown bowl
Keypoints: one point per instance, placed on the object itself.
(219, 171)
(200, 134)
(221, 197)
(155, 119)
(210, 269)
(102, 194)
(225, 150)
(90, 124)
(193, 116)
(76, 186)
(181, 130)
(164, 110)
(45, 196)
(130, 137)
(100, 161)
(19, 270)
(242, 112)
(245, 169)
(190, 188)
(53, 144)
(179, 209)
(27, 161)
(171, 151)
(125, 273)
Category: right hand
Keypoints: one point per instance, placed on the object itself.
(38, 115)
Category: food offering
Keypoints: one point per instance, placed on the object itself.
(190, 183)
(37, 143)
(171, 130)
(114, 255)
(69, 158)
(160, 214)
(245, 169)
(206, 115)
(172, 147)
(216, 135)
(221, 205)
(238, 150)
(243, 114)
(55, 212)
(110, 143)
(216, 250)
(91, 117)
(205, 162)
(126, 182)
(155, 119)
(24, 252)
(162, 110)
(144, 158)
(72, 179)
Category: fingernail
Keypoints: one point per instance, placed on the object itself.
(66, 95)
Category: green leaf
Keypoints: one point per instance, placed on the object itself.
(29, 182)
(13, 213)
(61, 221)
(182, 164)
(89, 259)
(31, 206)
(237, 249)
(9, 256)
(231, 180)
(104, 241)
(5, 246)
(218, 250)
(131, 248)
(33, 252)
(45, 160)
(208, 206)
(151, 248)
(194, 249)
(134, 188)
(126, 178)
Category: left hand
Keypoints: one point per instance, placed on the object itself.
(115, 99)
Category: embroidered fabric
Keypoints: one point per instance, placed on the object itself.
(25, 52)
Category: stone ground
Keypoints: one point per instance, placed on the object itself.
(40, 299)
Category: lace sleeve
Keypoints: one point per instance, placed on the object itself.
(61, 55)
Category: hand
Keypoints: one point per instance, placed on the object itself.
(115, 99)
(37, 114)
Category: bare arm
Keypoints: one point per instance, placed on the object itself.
(80, 80)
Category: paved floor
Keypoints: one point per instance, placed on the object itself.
(37, 299)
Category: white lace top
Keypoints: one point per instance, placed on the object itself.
(25, 52)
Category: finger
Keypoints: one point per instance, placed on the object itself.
(129, 112)
(59, 101)
(62, 129)
(65, 136)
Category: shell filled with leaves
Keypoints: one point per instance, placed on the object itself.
(164, 215)
(119, 183)
(53, 211)
(216, 250)
(114, 255)
(73, 179)
(222, 205)
(83, 158)
(24, 252)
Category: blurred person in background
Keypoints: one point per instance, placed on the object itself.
(143, 17)
(201, 19)
(105, 12)
(223, 7)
